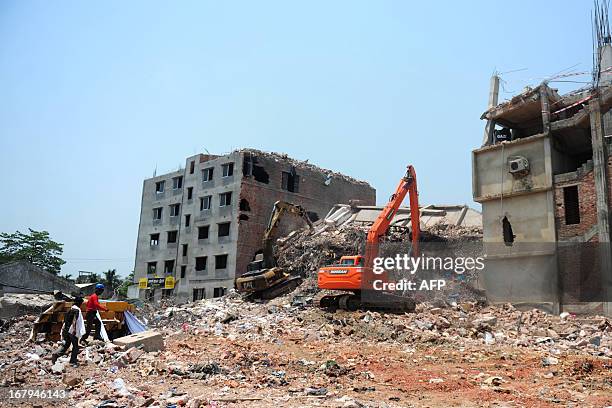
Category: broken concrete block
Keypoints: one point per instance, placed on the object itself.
(548, 361)
(57, 368)
(150, 340)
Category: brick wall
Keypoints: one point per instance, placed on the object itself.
(587, 203)
(313, 195)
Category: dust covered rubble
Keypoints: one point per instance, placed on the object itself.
(465, 323)
(227, 327)
(302, 253)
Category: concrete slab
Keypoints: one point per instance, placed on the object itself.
(150, 340)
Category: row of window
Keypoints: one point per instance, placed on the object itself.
(223, 230)
(177, 183)
(225, 199)
(200, 293)
(201, 265)
(227, 170)
(290, 181)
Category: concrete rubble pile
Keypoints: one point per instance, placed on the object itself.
(304, 252)
(229, 352)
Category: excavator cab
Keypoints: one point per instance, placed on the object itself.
(346, 275)
(257, 264)
(352, 261)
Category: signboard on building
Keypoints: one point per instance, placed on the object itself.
(147, 283)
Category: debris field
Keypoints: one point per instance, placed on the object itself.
(229, 352)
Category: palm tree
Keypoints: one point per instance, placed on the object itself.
(111, 280)
(94, 278)
(67, 276)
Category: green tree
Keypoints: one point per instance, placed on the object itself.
(111, 280)
(94, 278)
(67, 276)
(123, 288)
(35, 247)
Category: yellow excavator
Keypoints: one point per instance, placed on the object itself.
(263, 279)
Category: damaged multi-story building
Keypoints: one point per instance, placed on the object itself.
(201, 225)
(543, 178)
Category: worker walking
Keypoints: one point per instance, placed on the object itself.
(72, 330)
(93, 305)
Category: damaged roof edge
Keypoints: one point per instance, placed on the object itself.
(529, 95)
(304, 164)
(515, 101)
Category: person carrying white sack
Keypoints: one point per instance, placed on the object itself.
(72, 331)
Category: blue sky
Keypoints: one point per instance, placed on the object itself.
(96, 95)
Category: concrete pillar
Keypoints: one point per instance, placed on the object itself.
(545, 108)
(605, 80)
(600, 171)
(493, 100)
(605, 77)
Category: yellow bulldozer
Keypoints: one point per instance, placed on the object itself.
(264, 279)
(50, 321)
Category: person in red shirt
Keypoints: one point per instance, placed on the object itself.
(91, 318)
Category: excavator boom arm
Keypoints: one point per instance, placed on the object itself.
(407, 185)
(279, 209)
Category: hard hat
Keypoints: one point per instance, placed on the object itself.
(99, 286)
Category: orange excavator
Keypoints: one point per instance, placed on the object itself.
(354, 274)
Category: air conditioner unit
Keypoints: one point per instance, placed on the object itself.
(519, 166)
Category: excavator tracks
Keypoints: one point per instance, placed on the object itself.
(281, 288)
(380, 302)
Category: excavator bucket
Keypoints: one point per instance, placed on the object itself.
(267, 283)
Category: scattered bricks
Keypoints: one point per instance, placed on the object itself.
(485, 321)
(71, 379)
(442, 323)
(150, 401)
(150, 340)
(132, 355)
(435, 311)
(179, 400)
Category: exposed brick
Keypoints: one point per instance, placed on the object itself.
(313, 195)
(587, 203)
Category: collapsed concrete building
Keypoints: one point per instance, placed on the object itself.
(543, 177)
(430, 215)
(200, 226)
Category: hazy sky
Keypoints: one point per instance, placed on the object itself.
(96, 95)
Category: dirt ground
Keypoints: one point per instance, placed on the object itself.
(277, 355)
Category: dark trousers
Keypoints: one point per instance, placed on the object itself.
(69, 340)
(91, 319)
